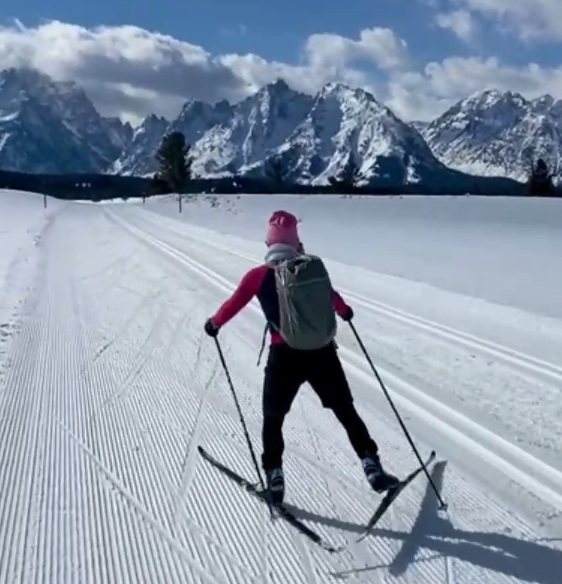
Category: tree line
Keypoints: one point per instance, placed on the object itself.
(174, 175)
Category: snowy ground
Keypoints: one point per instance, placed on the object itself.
(493, 248)
(23, 223)
(110, 385)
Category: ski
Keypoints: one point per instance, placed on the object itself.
(281, 510)
(391, 496)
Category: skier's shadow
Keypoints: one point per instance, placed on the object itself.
(525, 560)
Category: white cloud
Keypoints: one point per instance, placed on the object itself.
(440, 85)
(131, 72)
(529, 19)
(460, 22)
(126, 70)
(380, 45)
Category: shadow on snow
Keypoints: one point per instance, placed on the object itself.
(526, 560)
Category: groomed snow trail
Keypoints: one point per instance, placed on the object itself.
(111, 387)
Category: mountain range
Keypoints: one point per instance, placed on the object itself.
(48, 126)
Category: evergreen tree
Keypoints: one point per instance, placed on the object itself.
(275, 171)
(348, 178)
(540, 181)
(174, 162)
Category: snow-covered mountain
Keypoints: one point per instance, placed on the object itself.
(251, 130)
(313, 137)
(226, 138)
(138, 157)
(121, 133)
(346, 125)
(498, 134)
(419, 126)
(53, 127)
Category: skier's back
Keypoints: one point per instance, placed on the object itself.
(300, 316)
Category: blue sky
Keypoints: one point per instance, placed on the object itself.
(497, 52)
(275, 30)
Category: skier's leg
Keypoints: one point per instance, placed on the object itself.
(354, 425)
(281, 383)
(328, 379)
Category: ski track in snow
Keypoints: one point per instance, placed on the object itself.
(111, 385)
(209, 274)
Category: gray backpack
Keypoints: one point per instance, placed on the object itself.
(307, 319)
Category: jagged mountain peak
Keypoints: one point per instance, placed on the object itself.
(349, 125)
(25, 76)
(194, 107)
(151, 118)
(488, 102)
(48, 125)
(121, 132)
(314, 137)
(275, 91)
(498, 133)
(251, 130)
(139, 155)
(342, 91)
(152, 124)
(271, 96)
(550, 106)
(41, 86)
(279, 87)
(544, 101)
(40, 114)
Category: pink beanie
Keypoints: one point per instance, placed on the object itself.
(282, 228)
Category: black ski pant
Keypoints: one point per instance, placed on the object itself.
(285, 371)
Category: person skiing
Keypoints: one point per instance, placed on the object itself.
(315, 361)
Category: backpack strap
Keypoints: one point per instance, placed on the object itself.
(262, 344)
(267, 326)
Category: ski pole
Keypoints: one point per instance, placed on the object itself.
(241, 417)
(443, 506)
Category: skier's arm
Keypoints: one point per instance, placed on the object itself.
(247, 288)
(340, 306)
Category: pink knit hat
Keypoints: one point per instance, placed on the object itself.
(282, 228)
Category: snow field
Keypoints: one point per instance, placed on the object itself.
(99, 476)
(22, 224)
(494, 248)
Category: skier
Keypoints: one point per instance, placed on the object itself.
(287, 368)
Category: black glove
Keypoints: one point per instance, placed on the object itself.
(211, 329)
(348, 314)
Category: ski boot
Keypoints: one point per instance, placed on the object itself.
(275, 485)
(378, 478)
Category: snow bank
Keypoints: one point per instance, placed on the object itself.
(22, 220)
(21, 214)
(504, 250)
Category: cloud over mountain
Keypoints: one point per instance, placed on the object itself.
(130, 72)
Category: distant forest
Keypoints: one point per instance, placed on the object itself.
(98, 187)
